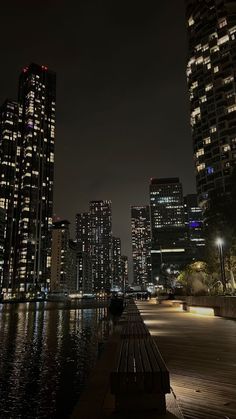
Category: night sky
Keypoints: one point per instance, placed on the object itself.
(122, 104)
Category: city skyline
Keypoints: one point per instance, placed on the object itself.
(113, 108)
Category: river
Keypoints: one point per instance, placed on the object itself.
(47, 352)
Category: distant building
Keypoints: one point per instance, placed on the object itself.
(83, 240)
(116, 263)
(211, 26)
(60, 256)
(124, 272)
(169, 233)
(2, 242)
(141, 245)
(73, 279)
(83, 231)
(101, 244)
(194, 224)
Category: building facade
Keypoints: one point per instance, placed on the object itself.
(10, 176)
(116, 263)
(2, 243)
(37, 96)
(124, 272)
(83, 240)
(169, 233)
(211, 73)
(65, 274)
(194, 224)
(101, 245)
(141, 245)
(27, 135)
(59, 258)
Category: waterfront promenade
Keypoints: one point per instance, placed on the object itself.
(200, 353)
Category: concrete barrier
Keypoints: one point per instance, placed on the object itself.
(226, 306)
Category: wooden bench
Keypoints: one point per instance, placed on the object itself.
(135, 330)
(130, 318)
(141, 379)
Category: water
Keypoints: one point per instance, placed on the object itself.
(47, 351)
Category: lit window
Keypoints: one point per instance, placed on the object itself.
(222, 22)
(231, 108)
(223, 39)
(207, 140)
(191, 21)
(200, 167)
(200, 152)
(208, 87)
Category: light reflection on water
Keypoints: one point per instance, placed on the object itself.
(47, 351)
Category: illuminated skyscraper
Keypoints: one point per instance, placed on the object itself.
(2, 243)
(10, 177)
(27, 133)
(125, 272)
(60, 252)
(37, 95)
(169, 233)
(212, 89)
(141, 245)
(101, 244)
(116, 263)
(83, 240)
(83, 232)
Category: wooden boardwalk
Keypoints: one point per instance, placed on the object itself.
(200, 352)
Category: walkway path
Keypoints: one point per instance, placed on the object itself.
(200, 352)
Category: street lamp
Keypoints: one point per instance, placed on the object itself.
(219, 243)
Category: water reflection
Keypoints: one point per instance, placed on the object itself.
(47, 351)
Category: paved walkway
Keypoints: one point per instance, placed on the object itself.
(200, 352)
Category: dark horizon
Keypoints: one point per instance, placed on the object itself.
(122, 103)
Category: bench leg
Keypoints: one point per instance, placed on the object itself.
(142, 402)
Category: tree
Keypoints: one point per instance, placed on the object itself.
(196, 279)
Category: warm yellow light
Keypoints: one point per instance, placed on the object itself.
(205, 311)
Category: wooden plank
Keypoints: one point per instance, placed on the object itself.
(200, 354)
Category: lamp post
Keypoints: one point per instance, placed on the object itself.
(220, 243)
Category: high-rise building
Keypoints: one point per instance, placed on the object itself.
(124, 272)
(211, 74)
(2, 243)
(37, 95)
(59, 258)
(10, 176)
(83, 240)
(141, 245)
(194, 225)
(169, 234)
(65, 266)
(101, 244)
(116, 263)
(27, 134)
(83, 232)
